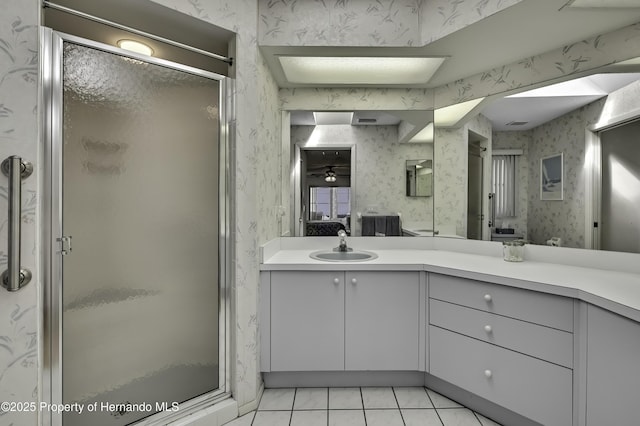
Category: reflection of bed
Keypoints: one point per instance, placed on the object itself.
(323, 228)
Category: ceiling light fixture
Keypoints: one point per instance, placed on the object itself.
(135, 46)
(350, 70)
(330, 175)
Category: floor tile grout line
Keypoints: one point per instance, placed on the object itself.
(434, 405)
(364, 412)
(328, 390)
(393, 391)
(424, 389)
(293, 404)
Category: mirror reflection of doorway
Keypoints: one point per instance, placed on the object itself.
(620, 191)
(325, 191)
(475, 184)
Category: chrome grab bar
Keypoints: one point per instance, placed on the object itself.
(14, 278)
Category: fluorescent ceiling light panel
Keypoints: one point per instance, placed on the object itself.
(604, 3)
(423, 136)
(579, 87)
(332, 118)
(350, 70)
(449, 116)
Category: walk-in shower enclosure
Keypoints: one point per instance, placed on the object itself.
(136, 287)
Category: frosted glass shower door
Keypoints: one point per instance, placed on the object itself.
(140, 201)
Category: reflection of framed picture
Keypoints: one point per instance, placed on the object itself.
(551, 177)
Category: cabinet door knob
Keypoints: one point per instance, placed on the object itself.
(488, 374)
(488, 328)
(487, 297)
(336, 280)
(354, 281)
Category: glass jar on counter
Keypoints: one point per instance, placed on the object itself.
(513, 251)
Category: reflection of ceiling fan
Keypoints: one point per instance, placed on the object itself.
(324, 167)
(330, 175)
(328, 172)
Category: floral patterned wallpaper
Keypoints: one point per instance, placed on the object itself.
(517, 140)
(368, 22)
(18, 136)
(268, 157)
(341, 23)
(450, 181)
(329, 99)
(380, 168)
(445, 16)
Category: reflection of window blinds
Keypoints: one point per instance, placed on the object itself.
(329, 202)
(503, 182)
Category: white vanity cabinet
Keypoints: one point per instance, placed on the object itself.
(335, 321)
(382, 316)
(510, 346)
(613, 372)
(307, 321)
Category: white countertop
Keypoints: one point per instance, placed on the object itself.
(615, 290)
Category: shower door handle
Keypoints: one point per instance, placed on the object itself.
(14, 278)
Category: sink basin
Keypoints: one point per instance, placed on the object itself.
(343, 256)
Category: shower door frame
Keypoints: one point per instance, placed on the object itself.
(51, 61)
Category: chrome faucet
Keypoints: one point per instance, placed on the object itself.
(342, 246)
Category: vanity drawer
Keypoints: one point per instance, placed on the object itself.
(533, 388)
(538, 341)
(540, 308)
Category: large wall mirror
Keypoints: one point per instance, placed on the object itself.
(344, 167)
(574, 119)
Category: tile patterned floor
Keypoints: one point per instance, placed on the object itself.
(384, 406)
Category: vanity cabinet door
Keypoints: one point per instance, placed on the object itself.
(382, 314)
(307, 321)
(613, 371)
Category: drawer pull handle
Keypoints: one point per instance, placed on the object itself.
(354, 281)
(487, 298)
(336, 280)
(488, 374)
(488, 328)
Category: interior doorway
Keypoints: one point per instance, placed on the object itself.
(475, 187)
(620, 191)
(324, 190)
